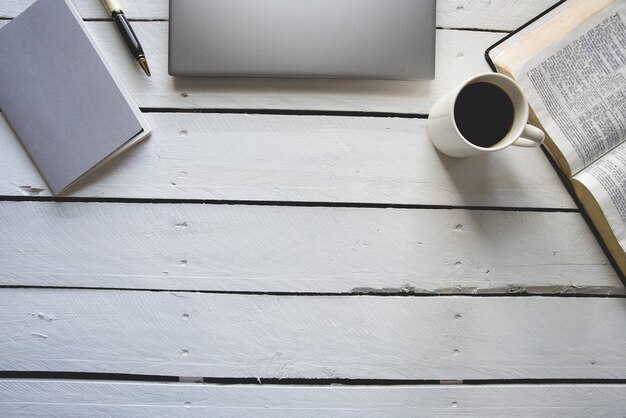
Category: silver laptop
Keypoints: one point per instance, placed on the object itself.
(377, 39)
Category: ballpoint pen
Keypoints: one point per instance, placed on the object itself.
(114, 8)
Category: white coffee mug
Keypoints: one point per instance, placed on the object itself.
(445, 134)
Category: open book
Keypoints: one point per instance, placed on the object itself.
(571, 63)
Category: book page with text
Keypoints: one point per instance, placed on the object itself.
(606, 180)
(577, 88)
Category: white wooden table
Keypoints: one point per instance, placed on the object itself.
(300, 246)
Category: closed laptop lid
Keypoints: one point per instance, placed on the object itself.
(378, 39)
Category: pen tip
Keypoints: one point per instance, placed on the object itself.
(143, 63)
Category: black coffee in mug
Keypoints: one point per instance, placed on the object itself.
(484, 114)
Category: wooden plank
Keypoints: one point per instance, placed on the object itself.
(99, 398)
(489, 14)
(134, 9)
(298, 249)
(313, 337)
(479, 14)
(301, 158)
(459, 56)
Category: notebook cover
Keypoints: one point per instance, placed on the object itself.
(58, 94)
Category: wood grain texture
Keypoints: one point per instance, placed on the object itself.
(88, 9)
(505, 15)
(298, 249)
(459, 56)
(336, 337)
(480, 14)
(300, 158)
(98, 398)
(304, 249)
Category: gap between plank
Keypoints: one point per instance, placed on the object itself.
(108, 19)
(103, 19)
(135, 19)
(510, 291)
(287, 112)
(294, 382)
(473, 29)
(356, 205)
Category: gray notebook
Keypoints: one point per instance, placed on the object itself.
(60, 95)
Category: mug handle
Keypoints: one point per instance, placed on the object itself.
(531, 137)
